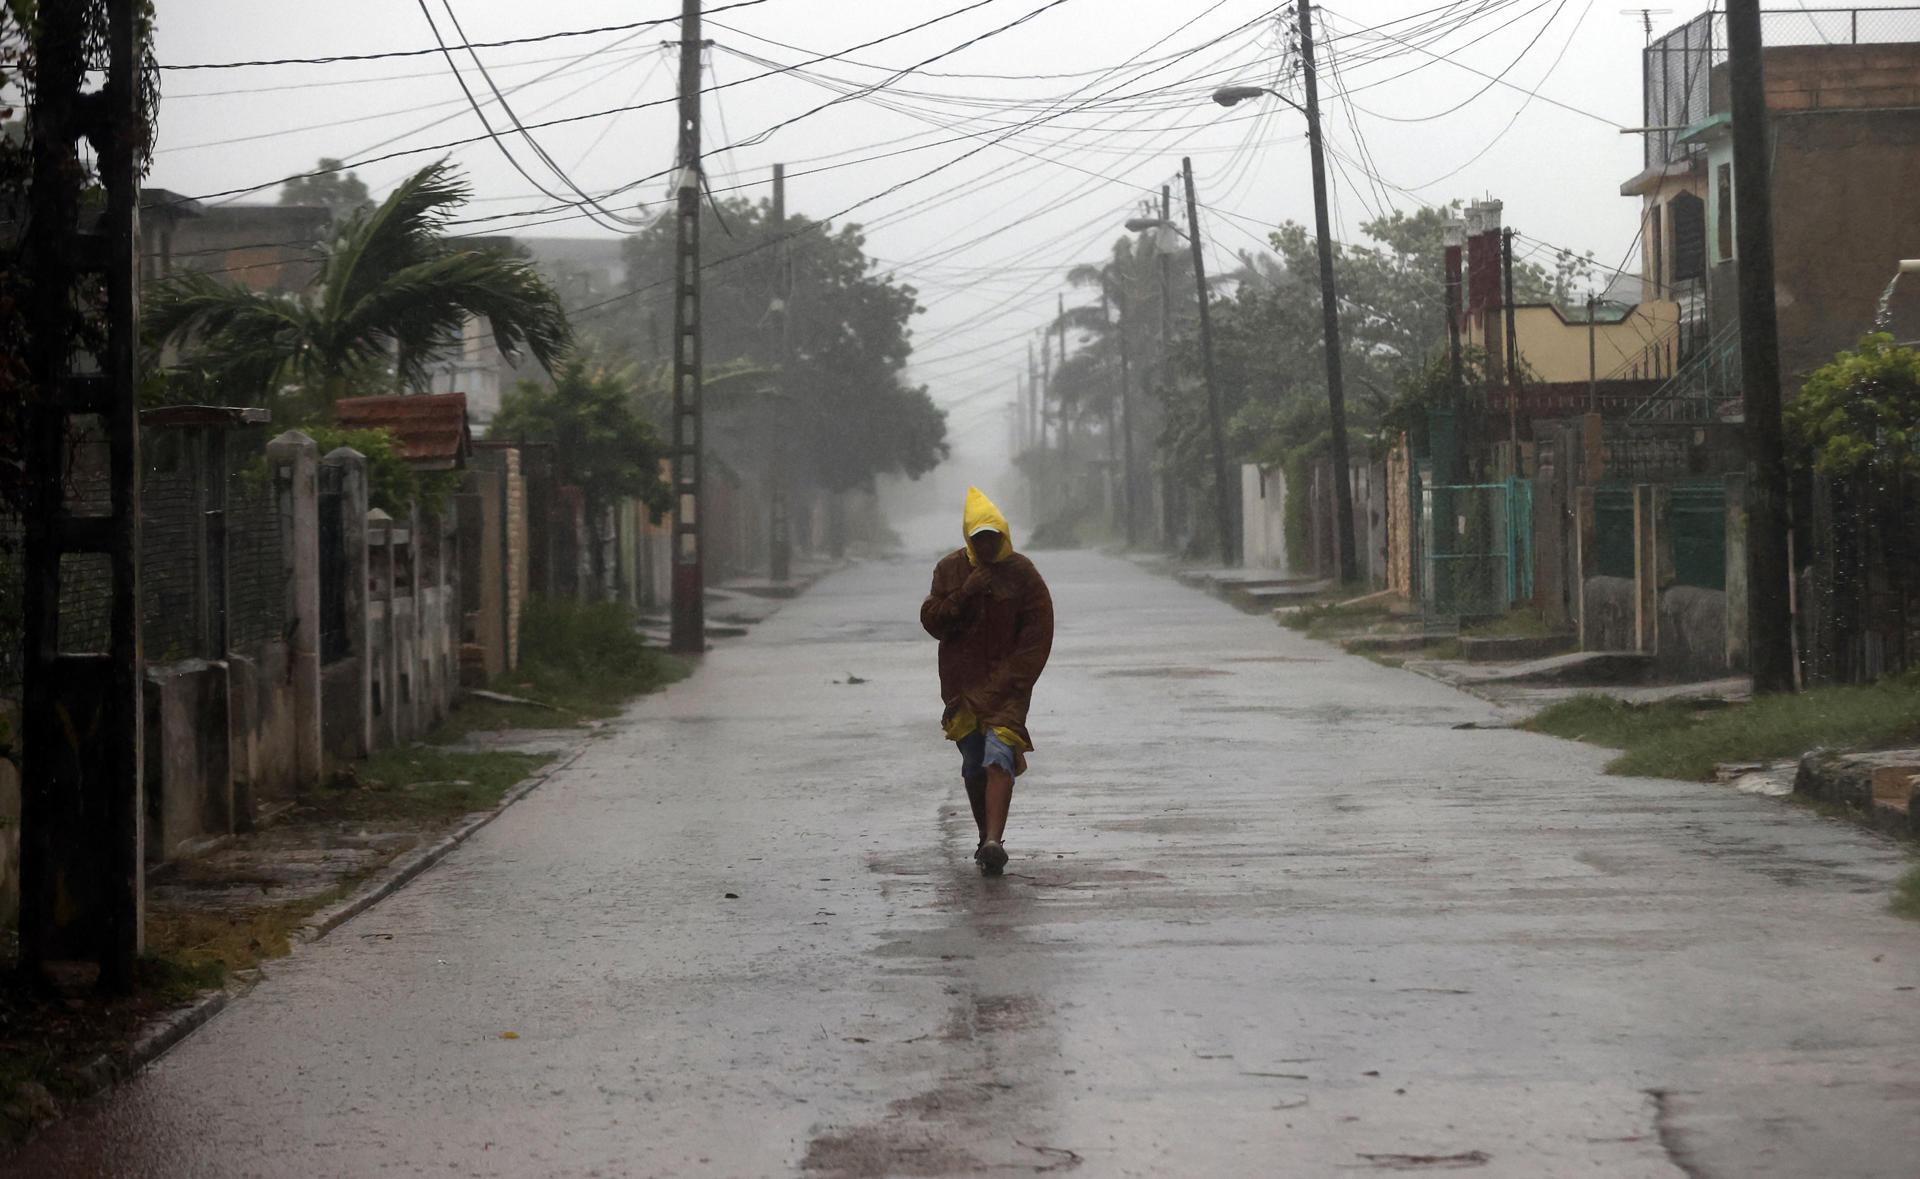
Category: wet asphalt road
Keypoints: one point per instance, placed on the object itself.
(1268, 913)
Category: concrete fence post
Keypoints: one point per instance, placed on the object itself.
(351, 724)
(380, 538)
(1549, 537)
(1586, 555)
(1736, 485)
(295, 458)
(413, 676)
(1646, 569)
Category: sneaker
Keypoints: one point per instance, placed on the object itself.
(992, 857)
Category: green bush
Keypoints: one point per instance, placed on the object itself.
(391, 482)
(588, 658)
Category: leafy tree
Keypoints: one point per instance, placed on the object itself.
(604, 445)
(1860, 413)
(393, 290)
(1268, 336)
(343, 193)
(848, 414)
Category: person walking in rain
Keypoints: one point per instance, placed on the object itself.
(993, 616)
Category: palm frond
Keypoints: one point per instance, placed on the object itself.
(402, 231)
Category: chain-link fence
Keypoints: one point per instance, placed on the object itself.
(1678, 65)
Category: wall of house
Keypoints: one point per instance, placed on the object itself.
(263, 247)
(1844, 175)
(1555, 348)
(474, 366)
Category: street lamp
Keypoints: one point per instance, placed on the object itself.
(1229, 95)
(1329, 303)
(1222, 497)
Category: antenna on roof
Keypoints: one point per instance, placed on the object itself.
(1646, 16)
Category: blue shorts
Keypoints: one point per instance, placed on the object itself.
(982, 749)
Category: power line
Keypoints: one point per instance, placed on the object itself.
(767, 133)
(1498, 81)
(438, 49)
(596, 207)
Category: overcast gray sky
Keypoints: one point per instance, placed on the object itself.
(981, 177)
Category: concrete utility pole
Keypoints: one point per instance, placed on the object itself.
(1455, 241)
(1769, 616)
(1513, 354)
(1593, 356)
(1222, 504)
(1168, 511)
(1329, 310)
(1128, 491)
(780, 533)
(81, 878)
(689, 631)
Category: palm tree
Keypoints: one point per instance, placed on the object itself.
(392, 291)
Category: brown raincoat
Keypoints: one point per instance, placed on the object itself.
(994, 644)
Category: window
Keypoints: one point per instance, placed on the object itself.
(1689, 217)
(1723, 206)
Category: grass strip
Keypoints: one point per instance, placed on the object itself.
(1906, 896)
(420, 783)
(1688, 738)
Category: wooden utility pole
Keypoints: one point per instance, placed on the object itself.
(1066, 419)
(780, 532)
(1222, 503)
(1329, 310)
(689, 631)
(82, 900)
(1769, 613)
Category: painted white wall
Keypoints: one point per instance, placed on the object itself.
(1263, 516)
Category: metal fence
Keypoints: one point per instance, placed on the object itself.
(1697, 521)
(1476, 546)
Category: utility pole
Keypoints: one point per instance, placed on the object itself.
(689, 631)
(1593, 356)
(1128, 492)
(1222, 504)
(1769, 614)
(1513, 354)
(1329, 310)
(780, 532)
(1167, 487)
(1066, 420)
(1039, 393)
(82, 869)
(1455, 239)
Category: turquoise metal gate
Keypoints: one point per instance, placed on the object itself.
(1476, 545)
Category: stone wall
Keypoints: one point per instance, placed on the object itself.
(1693, 634)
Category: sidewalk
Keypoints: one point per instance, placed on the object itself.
(220, 919)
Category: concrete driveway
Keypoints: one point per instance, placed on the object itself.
(1269, 913)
